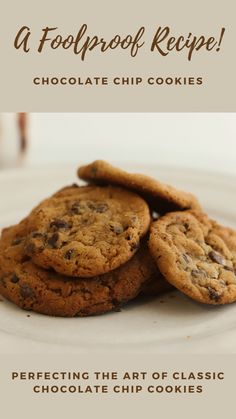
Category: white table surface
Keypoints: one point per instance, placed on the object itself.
(199, 141)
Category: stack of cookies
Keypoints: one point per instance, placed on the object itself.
(87, 250)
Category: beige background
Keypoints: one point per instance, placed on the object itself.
(106, 18)
(19, 401)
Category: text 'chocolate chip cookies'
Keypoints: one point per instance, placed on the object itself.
(90, 249)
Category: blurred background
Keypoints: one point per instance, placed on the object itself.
(199, 141)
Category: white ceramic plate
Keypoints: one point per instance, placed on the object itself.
(168, 324)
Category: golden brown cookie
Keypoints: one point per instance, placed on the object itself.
(33, 288)
(86, 231)
(196, 255)
(163, 198)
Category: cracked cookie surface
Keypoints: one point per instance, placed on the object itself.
(47, 292)
(196, 255)
(163, 198)
(86, 231)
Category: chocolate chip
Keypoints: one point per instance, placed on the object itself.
(16, 241)
(52, 241)
(186, 258)
(76, 208)
(102, 208)
(26, 291)
(99, 207)
(59, 224)
(198, 273)
(36, 234)
(15, 279)
(69, 254)
(118, 229)
(216, 257)
(30, 248)
(64, 243)
(213, 294)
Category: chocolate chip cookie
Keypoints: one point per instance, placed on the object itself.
(86, 231)
(196, 255)
(47, 292)
(163, 198)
